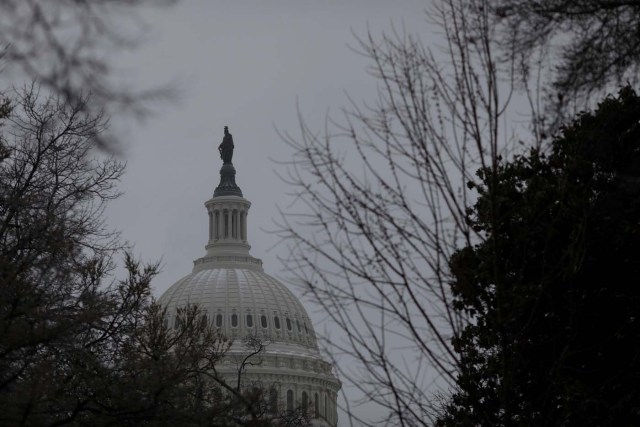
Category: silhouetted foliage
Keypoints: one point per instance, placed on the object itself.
(54, 247)
(68, 46)
(551, 290)
(78, 347)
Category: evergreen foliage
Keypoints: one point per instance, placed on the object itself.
(552, 289)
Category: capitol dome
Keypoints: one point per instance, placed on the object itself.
(241, 300)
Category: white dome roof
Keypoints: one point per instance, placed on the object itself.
(261, 304)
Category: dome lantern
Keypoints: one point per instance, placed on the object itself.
(227, 242)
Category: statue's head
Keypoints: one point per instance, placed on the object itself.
(226, 130)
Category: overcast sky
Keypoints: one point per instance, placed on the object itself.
(246, 65)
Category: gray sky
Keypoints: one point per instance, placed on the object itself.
(246, 65)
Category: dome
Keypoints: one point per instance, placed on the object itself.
(242, 301)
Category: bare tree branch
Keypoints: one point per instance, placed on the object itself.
(380, 202)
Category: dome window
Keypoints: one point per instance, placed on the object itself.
(306, 331)
(298, 325)
(289, 328)
(249, 321)
(276, 322)
(263, 321)
(234, 320)
(219, 320)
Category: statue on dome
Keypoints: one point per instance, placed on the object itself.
(226, 147)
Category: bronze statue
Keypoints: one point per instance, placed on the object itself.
(226, 147)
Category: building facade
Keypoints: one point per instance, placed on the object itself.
(242, 301)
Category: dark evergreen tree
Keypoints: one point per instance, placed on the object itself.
(552, 289)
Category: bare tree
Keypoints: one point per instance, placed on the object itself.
(582, 48)
(250, 398)
(380, 202)
(78, 347)
(66, 47)
(55, 249)
(161, 375)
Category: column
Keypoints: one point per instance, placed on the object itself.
(226, 223)
(234, 224)
(216, 220)
(210, 225)
(244, 225)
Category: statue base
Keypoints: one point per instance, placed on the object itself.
(227, 186)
